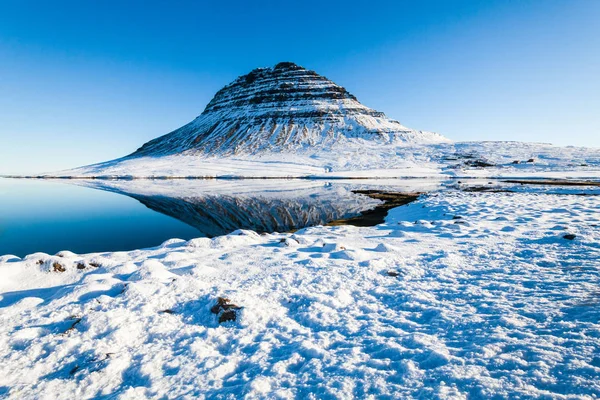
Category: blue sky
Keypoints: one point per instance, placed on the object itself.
(87, 81)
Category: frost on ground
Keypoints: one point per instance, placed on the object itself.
(458, 295)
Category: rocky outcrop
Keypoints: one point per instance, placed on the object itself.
(283, 108)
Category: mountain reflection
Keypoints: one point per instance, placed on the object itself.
(220, 207)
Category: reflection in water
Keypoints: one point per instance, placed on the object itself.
(50, 216)
(220, 207)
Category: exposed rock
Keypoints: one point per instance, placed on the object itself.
(378, 213)
(289, 242)
(76, 321)
(569, 236)
(479, 164)
(226, 310)
(227, 315)
(58, 267)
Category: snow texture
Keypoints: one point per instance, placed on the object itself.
(458, 295)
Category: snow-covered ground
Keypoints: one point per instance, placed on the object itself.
(458, 295)
(357, 158)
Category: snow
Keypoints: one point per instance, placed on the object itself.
(358, 158)
(496, 303)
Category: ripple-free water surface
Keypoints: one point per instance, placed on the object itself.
(49, 217)
(96, 216)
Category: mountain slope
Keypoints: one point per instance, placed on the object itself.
(281, 109)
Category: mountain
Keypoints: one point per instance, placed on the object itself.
(283, 108)
(283, 121)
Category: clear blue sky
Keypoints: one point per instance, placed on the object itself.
(87, 81)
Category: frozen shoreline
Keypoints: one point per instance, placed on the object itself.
(496, 302)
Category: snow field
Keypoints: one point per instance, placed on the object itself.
(359, 158)
(458, 295)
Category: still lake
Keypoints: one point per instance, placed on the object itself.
(96, 216)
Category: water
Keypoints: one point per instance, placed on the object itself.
(97, 216)
(49, 217)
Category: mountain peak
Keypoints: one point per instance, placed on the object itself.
(279, 85)
(280, 109)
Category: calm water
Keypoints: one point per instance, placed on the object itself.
(95, 216)
(49, 217)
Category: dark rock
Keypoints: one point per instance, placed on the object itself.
(289, 242)
(76, 322)
(226, 310)
(516, 162)
(569, 236)
(479, 164)
(531, 160)
(393, 273)
(227, 315)
(58, 267)
(80, 265)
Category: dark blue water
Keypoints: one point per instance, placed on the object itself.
(49, 217)
(96, 216)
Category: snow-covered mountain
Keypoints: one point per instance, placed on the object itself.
(283, 121)
(283, 108)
